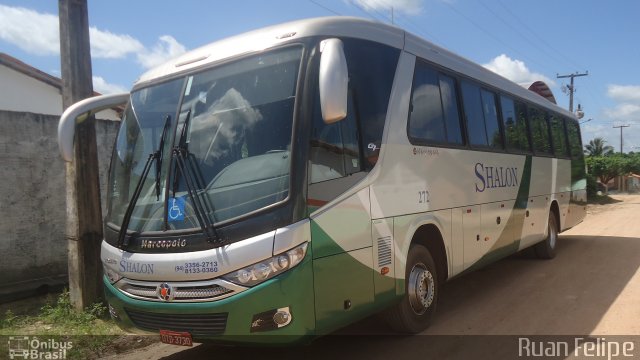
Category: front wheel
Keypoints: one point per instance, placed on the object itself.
(547, 248)
(415, 311)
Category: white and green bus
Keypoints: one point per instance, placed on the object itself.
(295, 179)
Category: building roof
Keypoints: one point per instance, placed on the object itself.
(17, 65)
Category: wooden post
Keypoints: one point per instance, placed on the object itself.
(84, 217)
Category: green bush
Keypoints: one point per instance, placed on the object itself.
(592, 186)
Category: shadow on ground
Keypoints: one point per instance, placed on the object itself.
(519, 295)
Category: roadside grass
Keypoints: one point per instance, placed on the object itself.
(602, 200)
(92, 332)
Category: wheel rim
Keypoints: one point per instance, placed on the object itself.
(553, 233)
(421, 289)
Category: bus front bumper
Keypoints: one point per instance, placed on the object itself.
(241, 318)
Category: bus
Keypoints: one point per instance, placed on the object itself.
(295, 179)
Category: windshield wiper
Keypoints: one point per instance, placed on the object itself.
(187, 171)
(167, 125)
(156, 155)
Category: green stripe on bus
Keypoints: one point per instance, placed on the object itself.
(323, 245)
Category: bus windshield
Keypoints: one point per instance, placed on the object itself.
(229, 148)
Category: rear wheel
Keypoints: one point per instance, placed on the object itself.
(547, 248)
(415, 311)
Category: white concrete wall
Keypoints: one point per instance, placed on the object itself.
(19, 92)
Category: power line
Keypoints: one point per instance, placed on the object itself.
(596, 99)
(398, 19)
(326, 8)
(560, 55)
(516, 30)
(394, 20)
(415, 28)
(571, 88)
(381, 17)
(621, 127)
(542, 40)
(490, 34)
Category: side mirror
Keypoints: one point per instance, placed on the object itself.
(79, 112)
(334, 81)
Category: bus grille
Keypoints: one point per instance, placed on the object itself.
(384, 251)
(195, 324)
(193, 291)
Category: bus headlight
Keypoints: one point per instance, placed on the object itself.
(266, 269)
(113, 276)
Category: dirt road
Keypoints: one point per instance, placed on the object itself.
(592, 287)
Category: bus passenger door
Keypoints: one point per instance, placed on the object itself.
(342, 263)
(340, 224)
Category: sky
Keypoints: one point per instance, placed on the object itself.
(522, 40)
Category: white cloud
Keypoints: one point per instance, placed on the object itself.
(627, 107)
(38, 34)
(166, 48)
(630, 93)
(625, 111)
(107, 45)
(31, 31)
(409, 7)
(102, 86)
(516, 71)
(631, 135)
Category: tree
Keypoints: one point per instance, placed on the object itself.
(634, 162)
(597, 147)
(606, 168)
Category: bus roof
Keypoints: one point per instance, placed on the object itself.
(264, 38)
(340, 26)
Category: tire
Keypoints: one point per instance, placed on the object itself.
(547, 248)
(415, 311)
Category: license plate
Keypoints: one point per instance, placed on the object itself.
(176, 338)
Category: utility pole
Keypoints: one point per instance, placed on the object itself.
(621, 127)
(571, 88)
(84, 215)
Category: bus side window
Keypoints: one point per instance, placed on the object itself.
(575, 144)
(434, 116)
(450, 109)
(426, 121)
(481, 116)
(353, 144)
(559, 139)
(539, 131)
(473, 114)
(509, 122)
(334, 149)
(491, 119)
(515, 126)
(372, 68)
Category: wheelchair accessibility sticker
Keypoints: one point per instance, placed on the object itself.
(176, 209)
